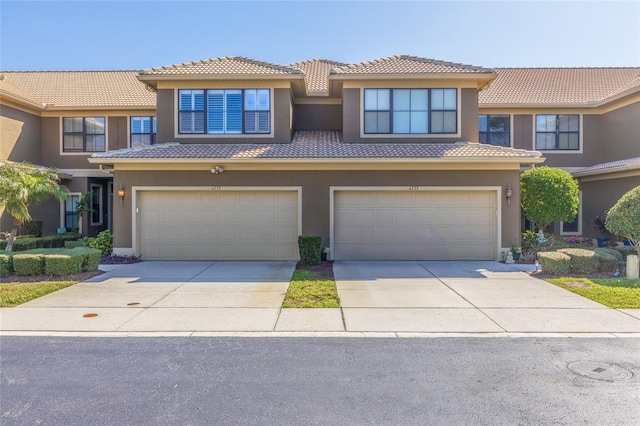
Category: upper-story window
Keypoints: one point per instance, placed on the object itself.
(558, 132)
(495, 129)
(224, 111)
(410, 111)
(83, 134)
(143, 131)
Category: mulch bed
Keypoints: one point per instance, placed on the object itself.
(37, 278)
(325, 269)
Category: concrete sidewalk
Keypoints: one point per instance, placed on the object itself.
(378, 299)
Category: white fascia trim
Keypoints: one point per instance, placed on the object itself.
(497, 189)
(136, 189)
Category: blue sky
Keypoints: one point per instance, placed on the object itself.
(85, 35)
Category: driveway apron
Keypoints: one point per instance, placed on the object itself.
(163, 297)
(463, 297)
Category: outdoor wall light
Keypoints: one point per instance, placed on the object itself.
(217, 170)
(509, 194)
(121, 194)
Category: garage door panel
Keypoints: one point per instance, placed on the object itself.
(218, 225)
(414, 225)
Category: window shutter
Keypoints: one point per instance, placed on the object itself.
(215, 111)
(233, 104)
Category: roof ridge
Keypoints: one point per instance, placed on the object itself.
(221, 59)
(330, 61)
(388, 59)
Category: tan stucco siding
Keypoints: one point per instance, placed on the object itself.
(20, 135)
(316, 191)
(620, 133)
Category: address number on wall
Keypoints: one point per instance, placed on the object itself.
(216, 188)
(414, 188)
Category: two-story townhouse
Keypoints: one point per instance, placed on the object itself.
(583, 120)
(380, 158)
(382, 170)
(76, 114)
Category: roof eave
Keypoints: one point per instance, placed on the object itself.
(630, 167)
(152, 79)
(535, 105)
(325, 160)
(419, 76)
(23, 102)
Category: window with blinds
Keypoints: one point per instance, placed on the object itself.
(224, 111)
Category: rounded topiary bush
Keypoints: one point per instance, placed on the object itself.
(582, 261)
(555, 263)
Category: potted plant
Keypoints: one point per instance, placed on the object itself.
(515, 251)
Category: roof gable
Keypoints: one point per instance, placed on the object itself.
(12, 92)
(316, 74)
(223, 66)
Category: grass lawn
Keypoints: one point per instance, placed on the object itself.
(312, 288)
(13, 294)
(618, 293)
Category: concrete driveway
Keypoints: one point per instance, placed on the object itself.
(377, 298)
(163, 297)
(466, 297)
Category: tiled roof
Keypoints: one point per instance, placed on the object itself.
(324, 144)
(84, 89)
(316, 74)
(409, 65)
(12, 91)
(610, 167)
(558, 86)
(229, 65)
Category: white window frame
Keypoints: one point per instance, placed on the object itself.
(99, 189)
(579, 217)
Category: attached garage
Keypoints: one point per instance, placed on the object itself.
(217, 224)
(415, 224)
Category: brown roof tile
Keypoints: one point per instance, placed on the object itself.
(610, 167)
(558, 86)
(12, 91)
(325, 144)
(316, 74)
(84, 89)
(409, 65)
(229, 65)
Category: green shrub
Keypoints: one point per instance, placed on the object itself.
(73, 244)
(33, 227)
(555, 263)
(610, 252)
(6, 265)
(310, 247)
(606, 261)
(61, 264)
(3, 244)
(90, 257)
(103, 242)
(625, 251)
(22, 244)
(582, 261)
(624, 217)
(28, 264)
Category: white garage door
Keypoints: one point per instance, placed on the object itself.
(218, 225)
(415, 225)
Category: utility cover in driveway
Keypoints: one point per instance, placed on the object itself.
(218, 225)
(415, 225)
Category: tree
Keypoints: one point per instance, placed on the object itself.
(23, 185)
(624, 217)
(547, 195)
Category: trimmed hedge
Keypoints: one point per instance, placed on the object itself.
(310, 248)
(606, 262)
(50, 261)
(28, 264)
(625, 251)
(582, 261)
(73, 244)
(60, 264)
(30, 243)
(6, 265)
(554, 262)
(610, 252)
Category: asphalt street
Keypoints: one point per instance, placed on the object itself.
(348, 381)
